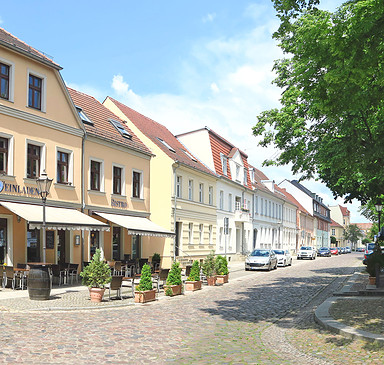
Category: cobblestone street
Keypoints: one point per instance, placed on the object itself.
(258, 318)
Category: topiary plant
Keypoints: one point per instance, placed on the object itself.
(221, 265)
(155, 259)
(194, 274)
(145, 279)
(208, 266)
(97, 274)
(174, 275)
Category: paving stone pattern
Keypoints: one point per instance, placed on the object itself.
(259, 318)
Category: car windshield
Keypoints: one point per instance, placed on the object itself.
(323, 249)
(260, 253)
(278, 252)
(305, 248)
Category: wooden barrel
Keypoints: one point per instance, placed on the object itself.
(39, 284)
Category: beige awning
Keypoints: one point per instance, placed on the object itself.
(55, 218)
(137, 225)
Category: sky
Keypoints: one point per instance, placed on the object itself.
(185, 64)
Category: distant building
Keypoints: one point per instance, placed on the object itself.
(342, 216)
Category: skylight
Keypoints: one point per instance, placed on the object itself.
(121, 129)
(189, 155)
(166, 145)
(84, 117)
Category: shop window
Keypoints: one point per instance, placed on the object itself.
(3, 240)
(116, 243)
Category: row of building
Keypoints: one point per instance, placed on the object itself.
(125, 184)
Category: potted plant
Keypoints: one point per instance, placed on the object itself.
(221, 268)
(144, 291)
(374, 261)
(208, 268)
(96, 275)
(193, 281)
(173, 283)
(156, 261)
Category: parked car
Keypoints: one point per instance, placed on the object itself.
(324, 251)
(348, 249)
(342, 250)
(261, 259)
(334, 251)
(284, 257)
(360, 249)
(306, 252)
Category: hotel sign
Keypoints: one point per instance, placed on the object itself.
(17, 189)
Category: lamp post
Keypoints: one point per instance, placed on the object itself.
(43, 185)
(378, 207)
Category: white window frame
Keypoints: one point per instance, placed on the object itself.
(43, 149)
(230, 204)
(210, 195)
(201, 193)
(70, 164)
(245, 180)
(43, 89)
(102, 176)
(122, 167)
(224, 164)
(201, 233)
(190, 233)
(256, 207)
(190, 189)
(11, 79)
(210, 230)
(179, 182)
(141, 184)
(261, 206)
(11, 140)
(221, 200)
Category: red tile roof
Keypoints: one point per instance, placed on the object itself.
(363, 226)
(335, 224)
(154, 130)
(9, 40)
(100, 116)
(344, 211)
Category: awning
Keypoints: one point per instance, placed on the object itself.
(137, 225)
(55, 218)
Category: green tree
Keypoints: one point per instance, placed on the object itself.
(145, 279)
(330, 124)
(333, 240)
(353, 233)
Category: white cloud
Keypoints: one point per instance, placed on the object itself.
(214, 87)
(209, 18)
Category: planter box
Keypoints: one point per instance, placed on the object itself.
(211, 281)
(193, 285)
(222, 279)
(176, 289)
(96, 294)
(145, 296)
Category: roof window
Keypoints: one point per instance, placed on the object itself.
(84, 117)
(189, 155)
(166, 145)
(120, 128)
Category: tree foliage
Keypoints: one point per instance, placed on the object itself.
(174, 275)
(353, 233)
(145, 279)
(194, 274)
(98, 273)
(332, 79)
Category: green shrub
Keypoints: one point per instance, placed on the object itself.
(376, 257)
(194, 274)
(221, 265)
(208, 266)
(174, 275)
(155, 258)
(97, 274)
(145, 279)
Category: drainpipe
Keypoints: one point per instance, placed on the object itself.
(174, 210)
(82, 195)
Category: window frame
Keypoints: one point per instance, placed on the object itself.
(41, 157)
(93, 171)
(5, 151)
(190, 233)
(201, 193)
(224, 164)
(117, 180)
(179, 182)
(43, 90)
(139, 173)
(11, 79)
(7, 78)
(201, 233)
(221, 199)
(190, 189)
(210, 195)
(59, 165)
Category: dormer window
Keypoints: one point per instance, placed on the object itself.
(224, 164)
(84, 117)
(166, 145)
(120, 128)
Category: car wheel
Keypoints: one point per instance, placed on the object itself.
(246, 269)
(276, 266)
(285, 263)
(269, 267)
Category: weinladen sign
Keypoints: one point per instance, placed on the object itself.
(17, 189)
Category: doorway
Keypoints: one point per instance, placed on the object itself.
(61, 247)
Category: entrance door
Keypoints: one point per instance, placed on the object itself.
(238, 240)
(177, 238)
(3, 240)
(61, 248)
(116, 243)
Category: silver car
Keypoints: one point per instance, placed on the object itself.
(261, 259)
(284, 258)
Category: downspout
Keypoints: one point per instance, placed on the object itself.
(82, 194)
(174, 210)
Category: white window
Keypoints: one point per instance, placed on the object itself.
(252, 175)
(210, 230)
(237, 173)
(64, 166)
(210, 195)
(224, 164)
(221, 236)
(118, 179)
(266, 208)
(36, 90)
(273, 210)
(178, 186)
(137, 184)
(96, 174)
(6, 154)
(7, 79)
(262, 206)
(190, 233)
(201, 233)
(245, 177)
(35, 158)
(229, 202)
(201, 193)
(190, 189)
(256, 204)
(221, 206)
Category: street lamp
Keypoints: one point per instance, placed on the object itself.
(43, 185)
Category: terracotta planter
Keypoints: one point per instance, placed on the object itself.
(372, 280)
(96, 294)
(193, 285)
(145, 296)
(176, 289)
(211, 281)
(222, 279)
